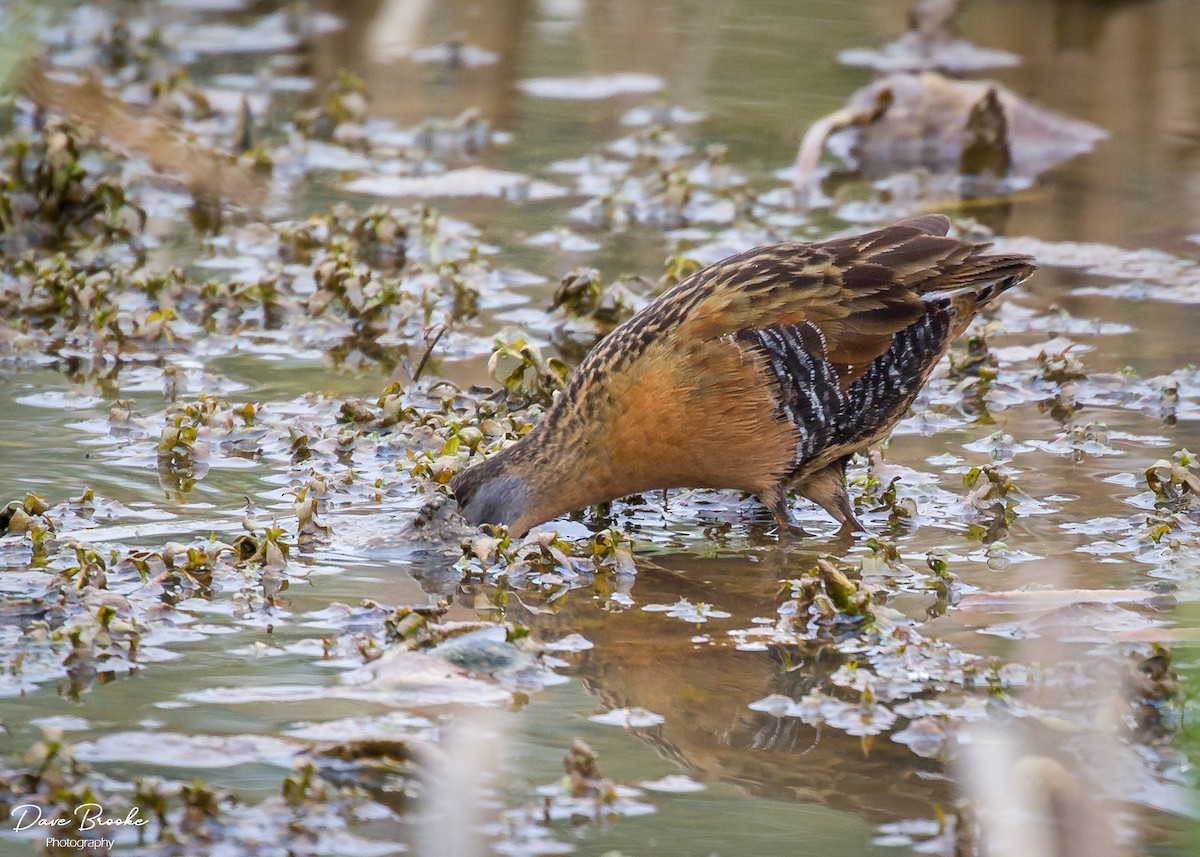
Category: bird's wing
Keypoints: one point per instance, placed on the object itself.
(854, 294)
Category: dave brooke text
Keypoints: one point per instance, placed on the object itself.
(88, 816)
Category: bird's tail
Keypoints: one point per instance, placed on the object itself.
(978, 281)
(994, 275)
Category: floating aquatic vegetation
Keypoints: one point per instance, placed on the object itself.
(524, 372)
(661, 183)
(1082, 441)
(1175, 483)
(885, 675)
(583, 795)
(970, 356)
(466, 135)
(544, 563)
(130, 51)
(95, 608)
(177, 96)
(311, 529)
(591, 308)
(340, 115)
(484, 648)
(310, 814)
(874, 496)
(386, 238)
(54, 192)
(20, 517)
(863, 718)
(888, 675)
(98, 313)
(583, 774)
(694, 613)
(357, 293)
(391, 274)
(51, 778)
(368, 286)
(1154, 694)
(445, 441)
(828, 599)
(991, 489)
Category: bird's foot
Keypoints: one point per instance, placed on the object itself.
(786, 527)
(791, 531)
(851, 527)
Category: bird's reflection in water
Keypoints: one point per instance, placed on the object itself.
(654, 661)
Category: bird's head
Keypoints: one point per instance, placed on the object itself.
(493, 492)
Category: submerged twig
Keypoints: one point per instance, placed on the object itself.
(437, 337)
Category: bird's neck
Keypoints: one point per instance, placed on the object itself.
(564, 470)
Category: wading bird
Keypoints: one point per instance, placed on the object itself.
(763, 372)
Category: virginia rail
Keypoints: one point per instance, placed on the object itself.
(763, 372)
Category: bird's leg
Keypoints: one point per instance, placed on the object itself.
(827, 488)
(776, 501)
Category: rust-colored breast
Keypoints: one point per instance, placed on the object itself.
(697, 414)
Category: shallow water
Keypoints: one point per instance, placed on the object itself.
(757, 73)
